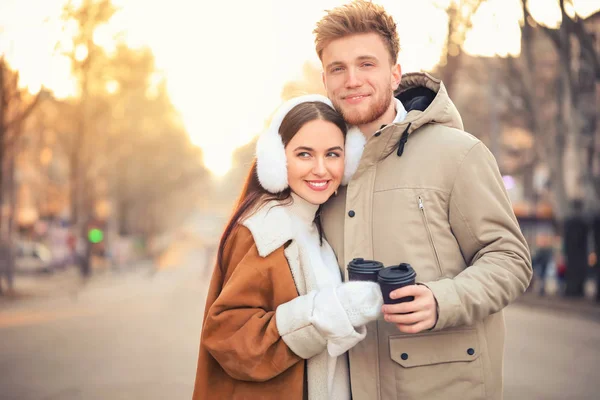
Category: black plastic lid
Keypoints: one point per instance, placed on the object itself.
(362, 265)
(397, 274)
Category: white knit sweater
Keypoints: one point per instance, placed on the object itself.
(321, 260)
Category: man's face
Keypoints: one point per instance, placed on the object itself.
(359, 78)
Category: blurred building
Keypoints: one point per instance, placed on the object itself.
(40, 178)
(488, 94)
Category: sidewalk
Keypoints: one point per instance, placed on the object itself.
(66, 281)
(42, 285)
(582, 307)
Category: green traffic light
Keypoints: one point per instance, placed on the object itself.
(95, 235)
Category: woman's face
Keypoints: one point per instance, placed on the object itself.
(315, 161)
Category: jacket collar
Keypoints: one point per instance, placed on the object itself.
(271, 225)
(438, 110)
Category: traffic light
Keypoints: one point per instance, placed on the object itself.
(95, 235)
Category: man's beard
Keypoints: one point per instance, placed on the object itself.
(372, 114)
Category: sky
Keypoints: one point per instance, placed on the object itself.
(226, 62)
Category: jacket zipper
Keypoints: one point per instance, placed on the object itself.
(430, 236)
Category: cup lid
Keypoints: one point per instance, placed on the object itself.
(397, 274)
(362, 265)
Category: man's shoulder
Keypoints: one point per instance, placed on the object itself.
(431, 159)
(448, 138)
(436, 145)
(443, 146)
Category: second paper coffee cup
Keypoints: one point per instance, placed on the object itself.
(395, 277)
(360, 269)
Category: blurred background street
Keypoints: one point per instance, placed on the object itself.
(128, 335)
(134, 335)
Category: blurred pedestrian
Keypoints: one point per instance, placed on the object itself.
(278, 319)
(542, 260)
(561, 272)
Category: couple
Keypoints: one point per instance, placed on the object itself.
(382, 170)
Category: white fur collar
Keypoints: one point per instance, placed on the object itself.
(355, 144)
(271, 225)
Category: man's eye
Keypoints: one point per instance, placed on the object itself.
(368, 65)
(336, 69)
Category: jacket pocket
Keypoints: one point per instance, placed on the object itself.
(421, 205)
(438, 365)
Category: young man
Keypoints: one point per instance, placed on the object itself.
(429, 194)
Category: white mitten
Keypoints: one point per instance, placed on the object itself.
(362, 301)
(332, 322)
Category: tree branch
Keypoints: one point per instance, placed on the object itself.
(587, 44)
(23, 116)
(552, 34)
(20, 118)
(520, 87)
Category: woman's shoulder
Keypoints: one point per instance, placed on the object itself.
(240, 241)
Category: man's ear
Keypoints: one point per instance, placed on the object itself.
(396, 76)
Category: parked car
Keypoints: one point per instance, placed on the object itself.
(33, 257)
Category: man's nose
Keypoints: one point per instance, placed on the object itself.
(352, 78)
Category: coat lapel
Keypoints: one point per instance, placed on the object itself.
(271, 228)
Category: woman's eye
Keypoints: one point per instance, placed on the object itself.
(333, 154)
(303, 154)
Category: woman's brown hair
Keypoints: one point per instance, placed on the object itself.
(253, 195)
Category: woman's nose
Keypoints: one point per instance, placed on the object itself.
(319, 167)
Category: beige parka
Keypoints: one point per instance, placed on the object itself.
(429, 194)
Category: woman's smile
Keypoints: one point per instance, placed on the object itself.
(319, 185)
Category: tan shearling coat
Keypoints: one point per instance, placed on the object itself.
(258, 340)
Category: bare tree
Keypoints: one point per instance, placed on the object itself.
(15, 108)
(531, 96)
(576, 118)
(460, 14)
(87, 61)
(148, 159)
(570, 148)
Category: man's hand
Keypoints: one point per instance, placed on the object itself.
(423, 309)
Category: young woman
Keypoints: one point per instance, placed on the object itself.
(278, 319)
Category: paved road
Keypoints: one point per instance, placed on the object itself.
(135, 336)
(131, 337)
(551, 355)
